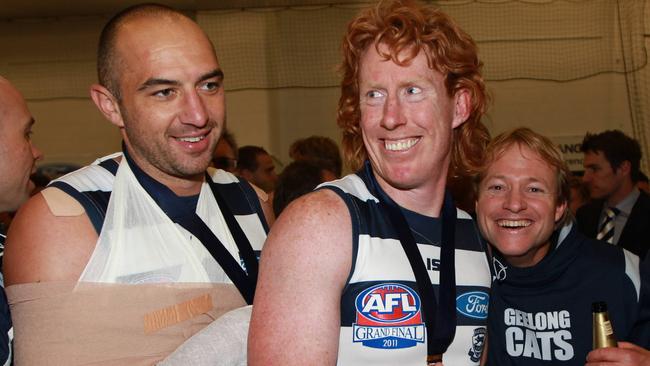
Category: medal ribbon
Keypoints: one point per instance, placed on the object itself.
(439, 311)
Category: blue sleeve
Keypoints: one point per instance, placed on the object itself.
(640, 334)
(6, 331)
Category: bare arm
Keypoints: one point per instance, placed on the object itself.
(627, 354)
(266, 201)
(304, 266)
(44, 247)
(267, 208)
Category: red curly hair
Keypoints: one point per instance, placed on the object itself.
(407, 27)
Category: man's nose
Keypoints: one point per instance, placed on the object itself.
(515, 201)
(393, 115)
(194, 110)
(37, 154)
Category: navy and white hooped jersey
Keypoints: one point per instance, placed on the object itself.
(92, 186)
(381, 318)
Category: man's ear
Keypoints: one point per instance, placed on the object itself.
(625, 168)
(462, 101)
(560, 210)
(246, 174)
(107, 104)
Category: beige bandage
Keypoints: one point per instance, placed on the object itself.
(60, 203)
(177, 313)
(69, 323)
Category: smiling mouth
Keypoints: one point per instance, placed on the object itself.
(513, 224)
(191, 139)
(400, 145)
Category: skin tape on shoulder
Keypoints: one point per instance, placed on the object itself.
(60, 203)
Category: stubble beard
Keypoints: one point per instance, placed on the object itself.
(159, 155)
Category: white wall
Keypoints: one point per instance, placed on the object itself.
(71, 129)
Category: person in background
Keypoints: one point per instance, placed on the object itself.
(579, 194)
(256, 166)
(349, 270)
(297, 179)
(149, 224)
(319, 148)
(18, 157)
(225, 155)
(546, 273)
(619, 213)
(642, 183)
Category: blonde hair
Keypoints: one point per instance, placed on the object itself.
(542, 146)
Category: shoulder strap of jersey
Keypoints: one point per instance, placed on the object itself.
(93, 202)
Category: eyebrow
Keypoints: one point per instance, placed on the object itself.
(503, 177)
(216, 73)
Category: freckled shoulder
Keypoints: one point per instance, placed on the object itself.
(306, 260)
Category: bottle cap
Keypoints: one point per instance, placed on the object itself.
(599, 307)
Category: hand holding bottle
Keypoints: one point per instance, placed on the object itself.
(626, 354)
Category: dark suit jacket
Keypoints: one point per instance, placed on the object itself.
(636, 233)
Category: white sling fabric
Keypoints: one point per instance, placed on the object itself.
(139, 243)
(222, 343)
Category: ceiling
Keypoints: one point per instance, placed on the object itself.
(15, 9)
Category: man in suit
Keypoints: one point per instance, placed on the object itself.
(619, 213)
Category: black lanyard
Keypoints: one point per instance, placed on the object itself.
(439, 311)
(180, 212)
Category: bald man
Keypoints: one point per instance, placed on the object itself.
(138, 251)
(17, 162)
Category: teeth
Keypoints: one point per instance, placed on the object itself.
(513, 223)
(400, 145)
(190, 139)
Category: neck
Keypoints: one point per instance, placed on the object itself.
(624, 190)
(529, 259)
(181, 186)
(426, 200)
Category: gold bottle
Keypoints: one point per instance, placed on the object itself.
(603, 333)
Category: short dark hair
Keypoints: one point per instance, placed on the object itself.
(229, 138)
(617, 148)
(107, 59)
(318, 147)
(643, 177)
(247, 157)
(298, 178)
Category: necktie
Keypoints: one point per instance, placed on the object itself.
(606, 232)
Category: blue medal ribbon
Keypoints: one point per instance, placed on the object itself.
(181, 212)
(439, 311)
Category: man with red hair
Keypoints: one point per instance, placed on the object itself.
(379, 267)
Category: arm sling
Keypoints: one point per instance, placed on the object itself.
(185, 215)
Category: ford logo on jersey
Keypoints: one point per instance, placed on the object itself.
(388, 316)
(473, 304)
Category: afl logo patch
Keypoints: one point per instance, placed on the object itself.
(473, 304)
(388, 316)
